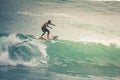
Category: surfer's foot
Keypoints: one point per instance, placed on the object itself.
(48, 38)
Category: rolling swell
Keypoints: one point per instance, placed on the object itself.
(84, 58)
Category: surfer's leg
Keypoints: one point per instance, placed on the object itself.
(43, 34)
(48, 32)
(44, 30)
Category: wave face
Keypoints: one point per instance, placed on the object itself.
(84, 58)
(60, 56)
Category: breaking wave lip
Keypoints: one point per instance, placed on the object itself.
(97, 41)
(14, 41)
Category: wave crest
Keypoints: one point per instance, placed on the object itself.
(19, 49)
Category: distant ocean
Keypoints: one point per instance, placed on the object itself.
(88, 46)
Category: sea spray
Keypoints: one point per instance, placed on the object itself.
(18, 50)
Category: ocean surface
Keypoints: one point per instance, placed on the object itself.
(23, 57)
(88, 46)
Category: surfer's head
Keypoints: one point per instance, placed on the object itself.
(49, 21)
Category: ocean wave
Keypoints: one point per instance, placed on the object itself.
(61, 56)
(17, 49)
(25, 47)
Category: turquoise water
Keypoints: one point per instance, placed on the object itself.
(23, 57)
(86, 59)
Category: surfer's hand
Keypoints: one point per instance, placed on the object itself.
(53, 24)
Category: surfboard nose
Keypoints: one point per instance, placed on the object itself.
(54, 37)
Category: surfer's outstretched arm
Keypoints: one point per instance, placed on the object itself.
(52, 24)
(49, 27)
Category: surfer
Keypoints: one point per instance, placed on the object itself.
(44, 29)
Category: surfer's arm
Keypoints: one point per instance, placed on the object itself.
(49, 27)
(52, 24)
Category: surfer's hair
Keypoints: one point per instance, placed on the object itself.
(49, 21)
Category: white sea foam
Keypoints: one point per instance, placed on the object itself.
(12, 39)
(5, 60)
(5, 42)
(103, 41)
(89, 77)
(46, 14)
(42, 47)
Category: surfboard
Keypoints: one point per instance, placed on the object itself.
(52, 38)
(42, 38)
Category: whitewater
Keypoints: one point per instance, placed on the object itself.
(87, 48)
